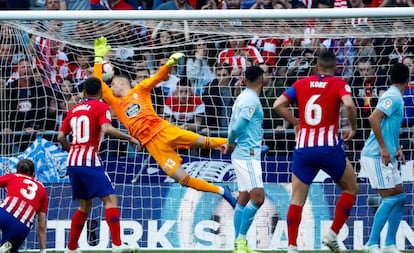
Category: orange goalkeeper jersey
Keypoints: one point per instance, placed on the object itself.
(135, 111)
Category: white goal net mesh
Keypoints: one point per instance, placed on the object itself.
(57, 55)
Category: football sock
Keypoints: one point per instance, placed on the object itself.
(394, 219)
(380, 217)
(76, 226)
(199, 184)
(238, 214)
(213, 142)
(343, 207)
(112, 218)
(294, 216)
(249, 212)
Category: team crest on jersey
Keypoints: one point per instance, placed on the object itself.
(251, 110)
(348, 88)
(135, 96)
(387, 103)
(133, 110)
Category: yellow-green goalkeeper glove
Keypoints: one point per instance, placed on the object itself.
(174, 59)
(100, 49)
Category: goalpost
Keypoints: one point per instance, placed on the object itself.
(56, 49)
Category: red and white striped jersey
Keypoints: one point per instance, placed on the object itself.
(268, 47)
(84, 121)
(240, 61)
(26, 197)
(319, 100)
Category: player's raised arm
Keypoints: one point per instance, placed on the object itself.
(163, 72)
(101, 48)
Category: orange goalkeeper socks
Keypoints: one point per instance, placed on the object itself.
(199, 184)
(213, 142)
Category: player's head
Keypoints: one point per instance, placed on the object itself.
(26, 166)
(400, 74)
(92, 87)
(120, 85)
(254, 76)
(326, 61)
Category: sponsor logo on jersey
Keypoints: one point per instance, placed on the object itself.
(133, 110)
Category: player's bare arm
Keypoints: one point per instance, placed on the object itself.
(113, 132)
(281, 106)
(41, 230)
(63, 141)
(351, 115)
(375, 122)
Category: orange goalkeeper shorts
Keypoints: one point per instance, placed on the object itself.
(163, 145)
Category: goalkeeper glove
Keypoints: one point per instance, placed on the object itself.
(101, 49)
(174, 59)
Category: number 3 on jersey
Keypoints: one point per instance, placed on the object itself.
(30, 191)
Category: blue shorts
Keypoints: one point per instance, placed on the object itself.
(308, 161)
(89, 182)
(12, 229)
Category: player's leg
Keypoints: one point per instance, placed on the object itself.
(209, 142)
(251, 197)
(13, 232)
(79, 218)
(294, 214)
(163, 149)
(392, 202)
(342, 172)
(79, 182)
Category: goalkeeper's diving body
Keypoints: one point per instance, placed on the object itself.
(134, 109)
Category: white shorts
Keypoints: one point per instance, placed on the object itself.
(379, 175)
(248, 173)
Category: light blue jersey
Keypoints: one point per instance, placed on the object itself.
(391, 104)
(248, 141)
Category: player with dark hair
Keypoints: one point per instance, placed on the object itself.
(318, 146)
(87, 122)
(378, 158)
(26, 197)
(245, 136)
(134, 109)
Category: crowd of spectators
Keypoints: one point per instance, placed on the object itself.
(41, 76)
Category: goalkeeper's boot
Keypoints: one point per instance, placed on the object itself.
(330, 241)
(6, 247)
(227, 196)
(123, 248)
(72, 251)
(240, 246)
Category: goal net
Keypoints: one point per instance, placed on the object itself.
(53, 52)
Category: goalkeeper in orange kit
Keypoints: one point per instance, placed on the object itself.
(134, 109)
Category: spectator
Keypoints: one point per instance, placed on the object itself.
(276, 137)
(25, 106)
(184, 108)
(367, 86)
(199, 71)
(219, 99)
(74, 5)
(239, 55)
(174, 5)
(110, 5)
(79, 67)
(295, 61)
